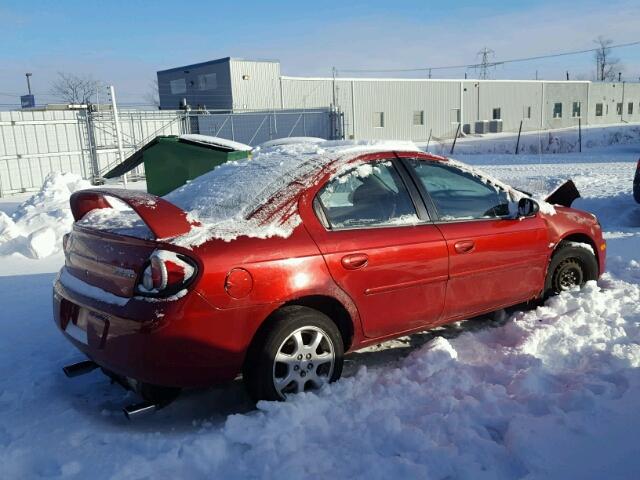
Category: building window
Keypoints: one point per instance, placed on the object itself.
(378, 119)
(619, 108)
(207, 82)
(598, 109)
(527, 112)
(496, 114)
(557, 110)
(455, 115)
(418, 117)
(178, 86)
(575, 111)
(630, 108)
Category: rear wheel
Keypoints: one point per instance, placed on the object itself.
(301, 350)
(571, 265)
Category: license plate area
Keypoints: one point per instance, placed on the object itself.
(83, 325)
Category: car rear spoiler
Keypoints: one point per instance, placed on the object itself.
(564, 195)
(164, 219)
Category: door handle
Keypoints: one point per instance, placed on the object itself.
(354, 261)
(465, 246)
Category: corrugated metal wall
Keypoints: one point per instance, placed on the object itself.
(609, 95)
(517, 101)
(35, 143)
(255, 85)
(532, 102)
(32, 144)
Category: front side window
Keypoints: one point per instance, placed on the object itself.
(369, 195)
(497, 114)
(630, 108)
(557, 110)
(459, 195)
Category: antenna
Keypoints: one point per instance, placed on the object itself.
(485, 54)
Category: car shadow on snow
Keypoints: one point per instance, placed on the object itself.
(195, 408)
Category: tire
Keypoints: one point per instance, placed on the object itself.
(570, 266)
(282, 361)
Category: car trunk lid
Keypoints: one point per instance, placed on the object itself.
(111, 261)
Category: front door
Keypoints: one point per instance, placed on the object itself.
(494, 259)
(392, 262)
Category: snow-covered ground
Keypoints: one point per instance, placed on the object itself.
(547, 393)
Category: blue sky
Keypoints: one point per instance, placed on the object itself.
(125, 42)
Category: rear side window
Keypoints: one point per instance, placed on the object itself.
(459, 195)
(369, 195)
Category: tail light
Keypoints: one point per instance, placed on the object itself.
(165, 274)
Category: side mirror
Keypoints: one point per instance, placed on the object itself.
(527, 207)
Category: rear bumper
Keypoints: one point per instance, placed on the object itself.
(181, 343)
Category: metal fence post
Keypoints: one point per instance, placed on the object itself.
(118, 131)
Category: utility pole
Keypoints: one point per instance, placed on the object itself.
(485, 62)
(116, 119)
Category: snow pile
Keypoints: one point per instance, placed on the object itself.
(528, 398)
(36, 228)
(226, 201)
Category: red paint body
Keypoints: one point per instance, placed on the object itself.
(387, 281)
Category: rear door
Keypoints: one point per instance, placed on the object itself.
(494, 259)
(381, 248)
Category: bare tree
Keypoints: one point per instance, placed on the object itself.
(606, 65)
(73, 88)
(152, 97)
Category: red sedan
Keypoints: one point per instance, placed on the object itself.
(275, 280)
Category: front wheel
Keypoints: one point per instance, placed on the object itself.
(301, 350)
(573, 264)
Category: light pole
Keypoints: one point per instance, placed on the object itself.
(28, 81)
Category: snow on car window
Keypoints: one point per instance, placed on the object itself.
(256, 197)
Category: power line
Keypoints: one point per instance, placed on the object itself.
(490, 64)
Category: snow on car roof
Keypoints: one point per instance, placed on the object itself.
(223, 199)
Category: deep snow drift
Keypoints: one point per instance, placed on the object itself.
(36, 228)
(543, 394)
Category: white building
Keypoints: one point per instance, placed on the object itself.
(411, 109)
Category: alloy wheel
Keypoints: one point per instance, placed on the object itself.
(305, 360)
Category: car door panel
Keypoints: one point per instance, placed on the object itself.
(506, 264)
(402, 285)
(494, 259)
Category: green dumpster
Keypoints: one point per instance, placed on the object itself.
(171, 161)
